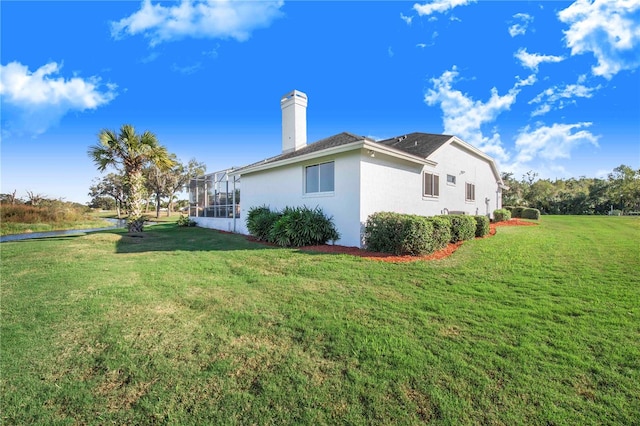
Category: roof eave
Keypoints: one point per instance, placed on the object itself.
(397, 153)
(360, 144)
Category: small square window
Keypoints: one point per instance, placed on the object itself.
(451, 179)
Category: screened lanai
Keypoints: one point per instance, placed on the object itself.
(215, 195)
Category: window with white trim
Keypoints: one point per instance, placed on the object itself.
(319, 178)
(451, 180)
(470, 192)
(431, 185)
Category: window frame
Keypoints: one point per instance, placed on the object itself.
(451, 182)
(320, 177)
(434, 187)
(469, 196)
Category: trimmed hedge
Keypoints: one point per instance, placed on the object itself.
(529, 213)
(501, 215)
(441, 231)
(402, 234)
(482, 225)
(463, 227)
(399, 234)
(516, 212)
(522, 212)
(293, 227)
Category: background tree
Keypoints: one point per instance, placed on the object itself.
(514, 196)
(33, 198)
(130, 152)
(111, 185)
(181, 176)
(10, 198)
(624, 189)
(620, 191)
(166, 183)
(157, 183)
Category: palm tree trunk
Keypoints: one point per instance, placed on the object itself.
(136, 198)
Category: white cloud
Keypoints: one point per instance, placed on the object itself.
(407, 19)
(390, 52)
(34, 101)
(607, 28)
(529, 81)
(557, 97)
(552, 142)
(520, 28)
(464, 117)
(439, 6)
(533, 60)
(187, 69)
(198, 19)
(421, 45)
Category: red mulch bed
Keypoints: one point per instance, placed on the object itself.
(385, 257)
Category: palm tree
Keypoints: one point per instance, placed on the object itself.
(131, 152)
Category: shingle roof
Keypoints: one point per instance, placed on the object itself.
(418, 144)
(326, 143)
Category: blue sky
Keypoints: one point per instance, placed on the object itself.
(550, 86)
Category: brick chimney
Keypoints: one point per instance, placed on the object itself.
(294, 121)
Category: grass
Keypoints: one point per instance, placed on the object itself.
(536, 325)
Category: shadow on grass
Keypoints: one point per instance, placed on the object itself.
(170, 237)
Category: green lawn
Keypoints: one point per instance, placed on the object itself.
(536, 325)
(9, 228)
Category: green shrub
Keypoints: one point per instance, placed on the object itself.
(482, 225)
(529, 213)
(501, 215)
(516, 212)
(294, 226)
(302, 226)
(399, 234)
(463, 227)
(260, 220)
(185, 221)
(441, 231)
(417, 236)
(509, 208)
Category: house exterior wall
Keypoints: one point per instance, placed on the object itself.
(467, 167)
(390, 185)
(365, 184)
(221, 224)
(284, 186)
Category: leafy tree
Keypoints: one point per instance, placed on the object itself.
(111, 185)
(166, 183)
(624, 188)
(130, 152)
(180, 176)
(514, 196)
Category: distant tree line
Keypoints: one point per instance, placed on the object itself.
(619, 192)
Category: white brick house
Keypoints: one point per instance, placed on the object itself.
(351, 177)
